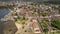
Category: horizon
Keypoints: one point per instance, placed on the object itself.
(24, 0)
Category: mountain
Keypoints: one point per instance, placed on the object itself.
(30, 0)
(24, 0)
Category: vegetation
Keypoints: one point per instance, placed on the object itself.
(56, 23)
(6, 7)
(45, 13)
(44, 26)
(39, 12)
(23, 20)
(51, 2)
(20, 20)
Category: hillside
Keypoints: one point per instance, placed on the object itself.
(24, 0)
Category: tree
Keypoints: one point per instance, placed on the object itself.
(56, 23)
(44, 26)
(45, 13)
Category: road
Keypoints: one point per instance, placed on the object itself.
(27, 29)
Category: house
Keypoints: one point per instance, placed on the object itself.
(36, 27)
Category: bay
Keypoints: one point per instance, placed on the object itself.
(3, 12)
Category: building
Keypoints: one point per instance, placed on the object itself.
(36, 28)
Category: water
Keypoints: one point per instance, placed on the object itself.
(3, 12)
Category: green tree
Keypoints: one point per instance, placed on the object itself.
(45, 13)
(56, 23)
(44, 26)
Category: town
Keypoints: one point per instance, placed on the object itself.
(33, 18)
